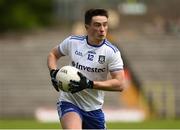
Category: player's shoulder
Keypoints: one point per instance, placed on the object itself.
(77, 37)
(111, 46)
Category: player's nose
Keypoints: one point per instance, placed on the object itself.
(102, 28)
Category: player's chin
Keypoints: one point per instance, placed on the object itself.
(102, 37)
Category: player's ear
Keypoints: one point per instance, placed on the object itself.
(86, 26)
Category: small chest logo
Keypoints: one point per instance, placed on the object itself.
(78, 53)
(101, 59)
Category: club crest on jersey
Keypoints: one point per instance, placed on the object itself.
(101, 59)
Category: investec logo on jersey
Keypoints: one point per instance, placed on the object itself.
(87, 68)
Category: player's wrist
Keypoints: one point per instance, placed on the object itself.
(53, 72)
(90, 84)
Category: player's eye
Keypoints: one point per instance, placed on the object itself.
(97, 24)
(105, 24)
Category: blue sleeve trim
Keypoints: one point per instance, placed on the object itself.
(60, 52)
(81, 38)
(117, 69)
(114, 48)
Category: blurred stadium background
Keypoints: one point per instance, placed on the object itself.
(146, 31)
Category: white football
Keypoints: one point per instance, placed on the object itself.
(64, 75)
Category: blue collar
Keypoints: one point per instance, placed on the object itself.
(99, 45)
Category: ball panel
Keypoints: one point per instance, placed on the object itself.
(65, 74)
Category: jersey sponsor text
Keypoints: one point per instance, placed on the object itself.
(87, 68)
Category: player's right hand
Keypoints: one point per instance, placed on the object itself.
(84, 83)
(55, 83)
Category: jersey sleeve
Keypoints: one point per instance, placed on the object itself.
(64, 46)
(115, 62)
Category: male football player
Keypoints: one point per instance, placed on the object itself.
(95, 57)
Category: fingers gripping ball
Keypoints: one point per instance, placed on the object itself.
(64, 75)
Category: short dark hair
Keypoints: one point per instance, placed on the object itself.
(94, 12)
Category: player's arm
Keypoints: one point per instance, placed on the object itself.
(52, 59)
(114, 84)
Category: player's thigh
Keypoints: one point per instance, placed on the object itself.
(71, 120)
(69, 115)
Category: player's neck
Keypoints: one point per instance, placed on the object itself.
(92, 41)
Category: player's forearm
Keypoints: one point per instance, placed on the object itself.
(52, 61)
(109, 85)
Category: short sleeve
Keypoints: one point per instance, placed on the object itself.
(64, 46)
(115, 62)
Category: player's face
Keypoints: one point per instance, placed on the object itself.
(97, 30)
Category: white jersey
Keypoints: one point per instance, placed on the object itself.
(94, 62)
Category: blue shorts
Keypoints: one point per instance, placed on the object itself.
(90, 120)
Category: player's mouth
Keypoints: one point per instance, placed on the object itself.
(101, 35)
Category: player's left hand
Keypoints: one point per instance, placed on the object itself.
(84, 83)
(55, 83)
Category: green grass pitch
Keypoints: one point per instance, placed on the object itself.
(33, 124)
